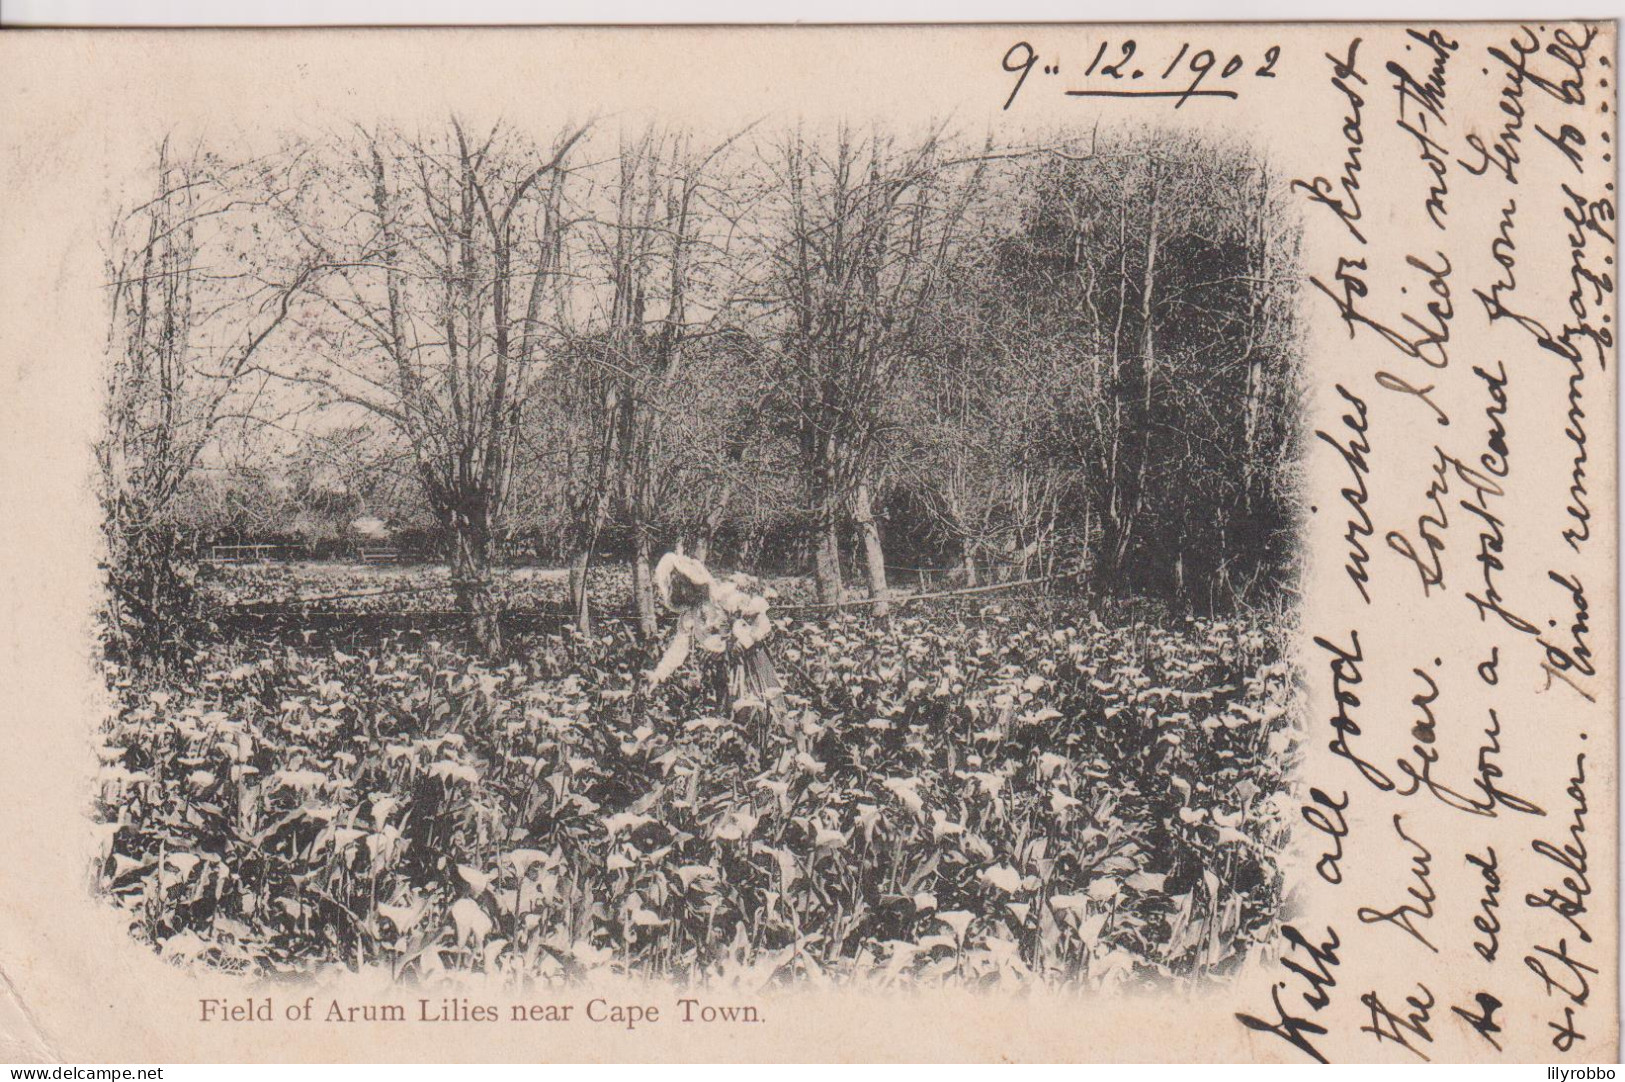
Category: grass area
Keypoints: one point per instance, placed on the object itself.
(330, 586)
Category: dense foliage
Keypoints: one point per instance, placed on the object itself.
(955, 799)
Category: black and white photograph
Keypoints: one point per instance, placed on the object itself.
(805, 552)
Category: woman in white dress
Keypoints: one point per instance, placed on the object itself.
(727, 620)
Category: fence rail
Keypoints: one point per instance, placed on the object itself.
(242, 554)
(900, 598)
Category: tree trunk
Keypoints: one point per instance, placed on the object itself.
(967, 563)
(713, 519)
(580, 598)
(1148, 357)
(1082, 575)
(471, 581)
(1259, 271)
(643, 586)
(828, 559)
(580, 574)
(1148, 348)
(874, 553)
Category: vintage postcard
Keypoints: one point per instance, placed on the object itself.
(1065, 542)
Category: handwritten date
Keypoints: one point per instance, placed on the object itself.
(1117, 75)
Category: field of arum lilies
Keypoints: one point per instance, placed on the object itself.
(988, 799)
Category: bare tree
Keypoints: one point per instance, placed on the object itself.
(192, 302)
(868, 229)
(1148, 286)
(442, 253)
(662, 248)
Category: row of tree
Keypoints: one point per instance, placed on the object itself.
(772, 346)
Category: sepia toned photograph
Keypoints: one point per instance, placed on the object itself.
(830, 553)
(1064, 542)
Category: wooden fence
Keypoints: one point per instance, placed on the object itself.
(243, 554)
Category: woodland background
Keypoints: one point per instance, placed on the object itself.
(834, 352)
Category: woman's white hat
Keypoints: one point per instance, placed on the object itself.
(684, 575)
